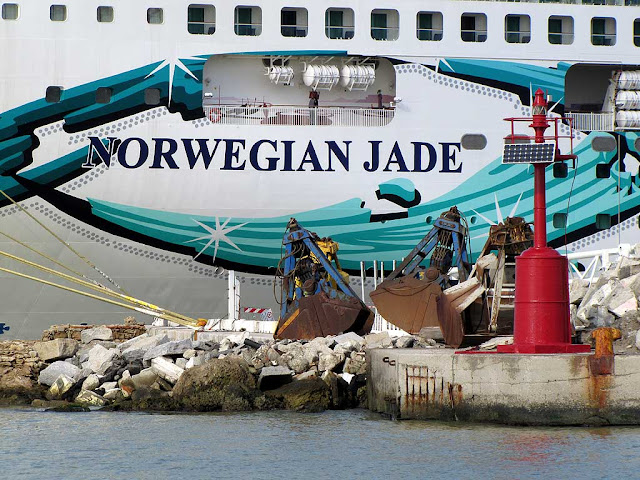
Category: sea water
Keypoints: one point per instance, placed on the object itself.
(287, 445)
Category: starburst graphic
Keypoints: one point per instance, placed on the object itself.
(216, 235)
(499, 216)
(172, 63)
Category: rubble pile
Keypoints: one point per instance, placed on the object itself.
(610, 301)
(119, 332)
(151, 372)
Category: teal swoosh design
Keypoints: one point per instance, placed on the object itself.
(259, 241)
(550, 80)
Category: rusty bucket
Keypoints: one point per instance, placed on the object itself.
(319, 315)
(408, 302)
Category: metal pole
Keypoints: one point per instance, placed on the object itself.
(363, 274)
(539, 207)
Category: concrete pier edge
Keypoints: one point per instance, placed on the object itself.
(541, 389)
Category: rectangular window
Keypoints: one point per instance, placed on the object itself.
(603, 221)
(473, 27)
(152, 96)
(58, 13)
(560, 30)
(105, 14)
(339, 23)
(429, 26)
(201, 19)
(53, 94)
(636, 32)
(517, 29)
(103, 95)
(248, 21)
(293, 22)
(379, 26)
(559, 220)
(10, 11)
(603, 31)
(155, 16)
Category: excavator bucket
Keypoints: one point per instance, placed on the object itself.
(319, 316)
(408, 302)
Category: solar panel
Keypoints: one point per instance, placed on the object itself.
(528, 153)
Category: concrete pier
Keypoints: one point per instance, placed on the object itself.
(568, 389)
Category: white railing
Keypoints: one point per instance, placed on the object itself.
(592, 122)
(298, 116)
(598, 262)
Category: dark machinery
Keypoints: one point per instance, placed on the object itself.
(316, 297)
(408, 296)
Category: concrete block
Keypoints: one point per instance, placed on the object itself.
(166, 369)
(101, 359)
(329, 361)
(62, 385)
(53, 371)
(181, 362)
(97, 333)
(273, 377)
(352, 337)
(195, 361)
(168, 349)
(621, 300)
(135, 349)
(378, 340)
(306, 375)
(405, 341)
(91, 382)
(577, 290)
(144, 379)
(56, 349)
(88, 398)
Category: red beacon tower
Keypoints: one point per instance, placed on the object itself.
(541, 316)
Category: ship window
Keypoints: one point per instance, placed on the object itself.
(10, 11)
(636, 144)
(603, 221)
(339, 23)
(473, 27)
(152, 96)
(201, 19)
(58, 13)
(603, 170)
(560, 170)
(294, 22)
(603, 31)
(473, 141)
(603, 143)
(155, 16)
(429, 26)
(636, 32)
(560, 30)
(517, 28)
(248, 21)
(559, 220)
(53, 94)
(105, 14)
(384, 24)
(103, 94)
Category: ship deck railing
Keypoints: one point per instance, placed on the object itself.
(291, 115)
(592, 121)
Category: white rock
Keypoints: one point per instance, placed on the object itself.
(638, 340)
(170, 348)
(594, 299)
(194, 362)
(91, 382)
(347, 377)
(577, 290)
(97, 333)
(56, 349)
(167, 370)
(145, 378)
(182, 362)
(621, 300)
(111, 394)
(329, 361)
(135, 349)
(53, 371)
(61, 386)
(100, 359)
(378, 340)
(109, 385)
(189, 353)
(85, 397)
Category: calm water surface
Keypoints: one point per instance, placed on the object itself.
(286, 445)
